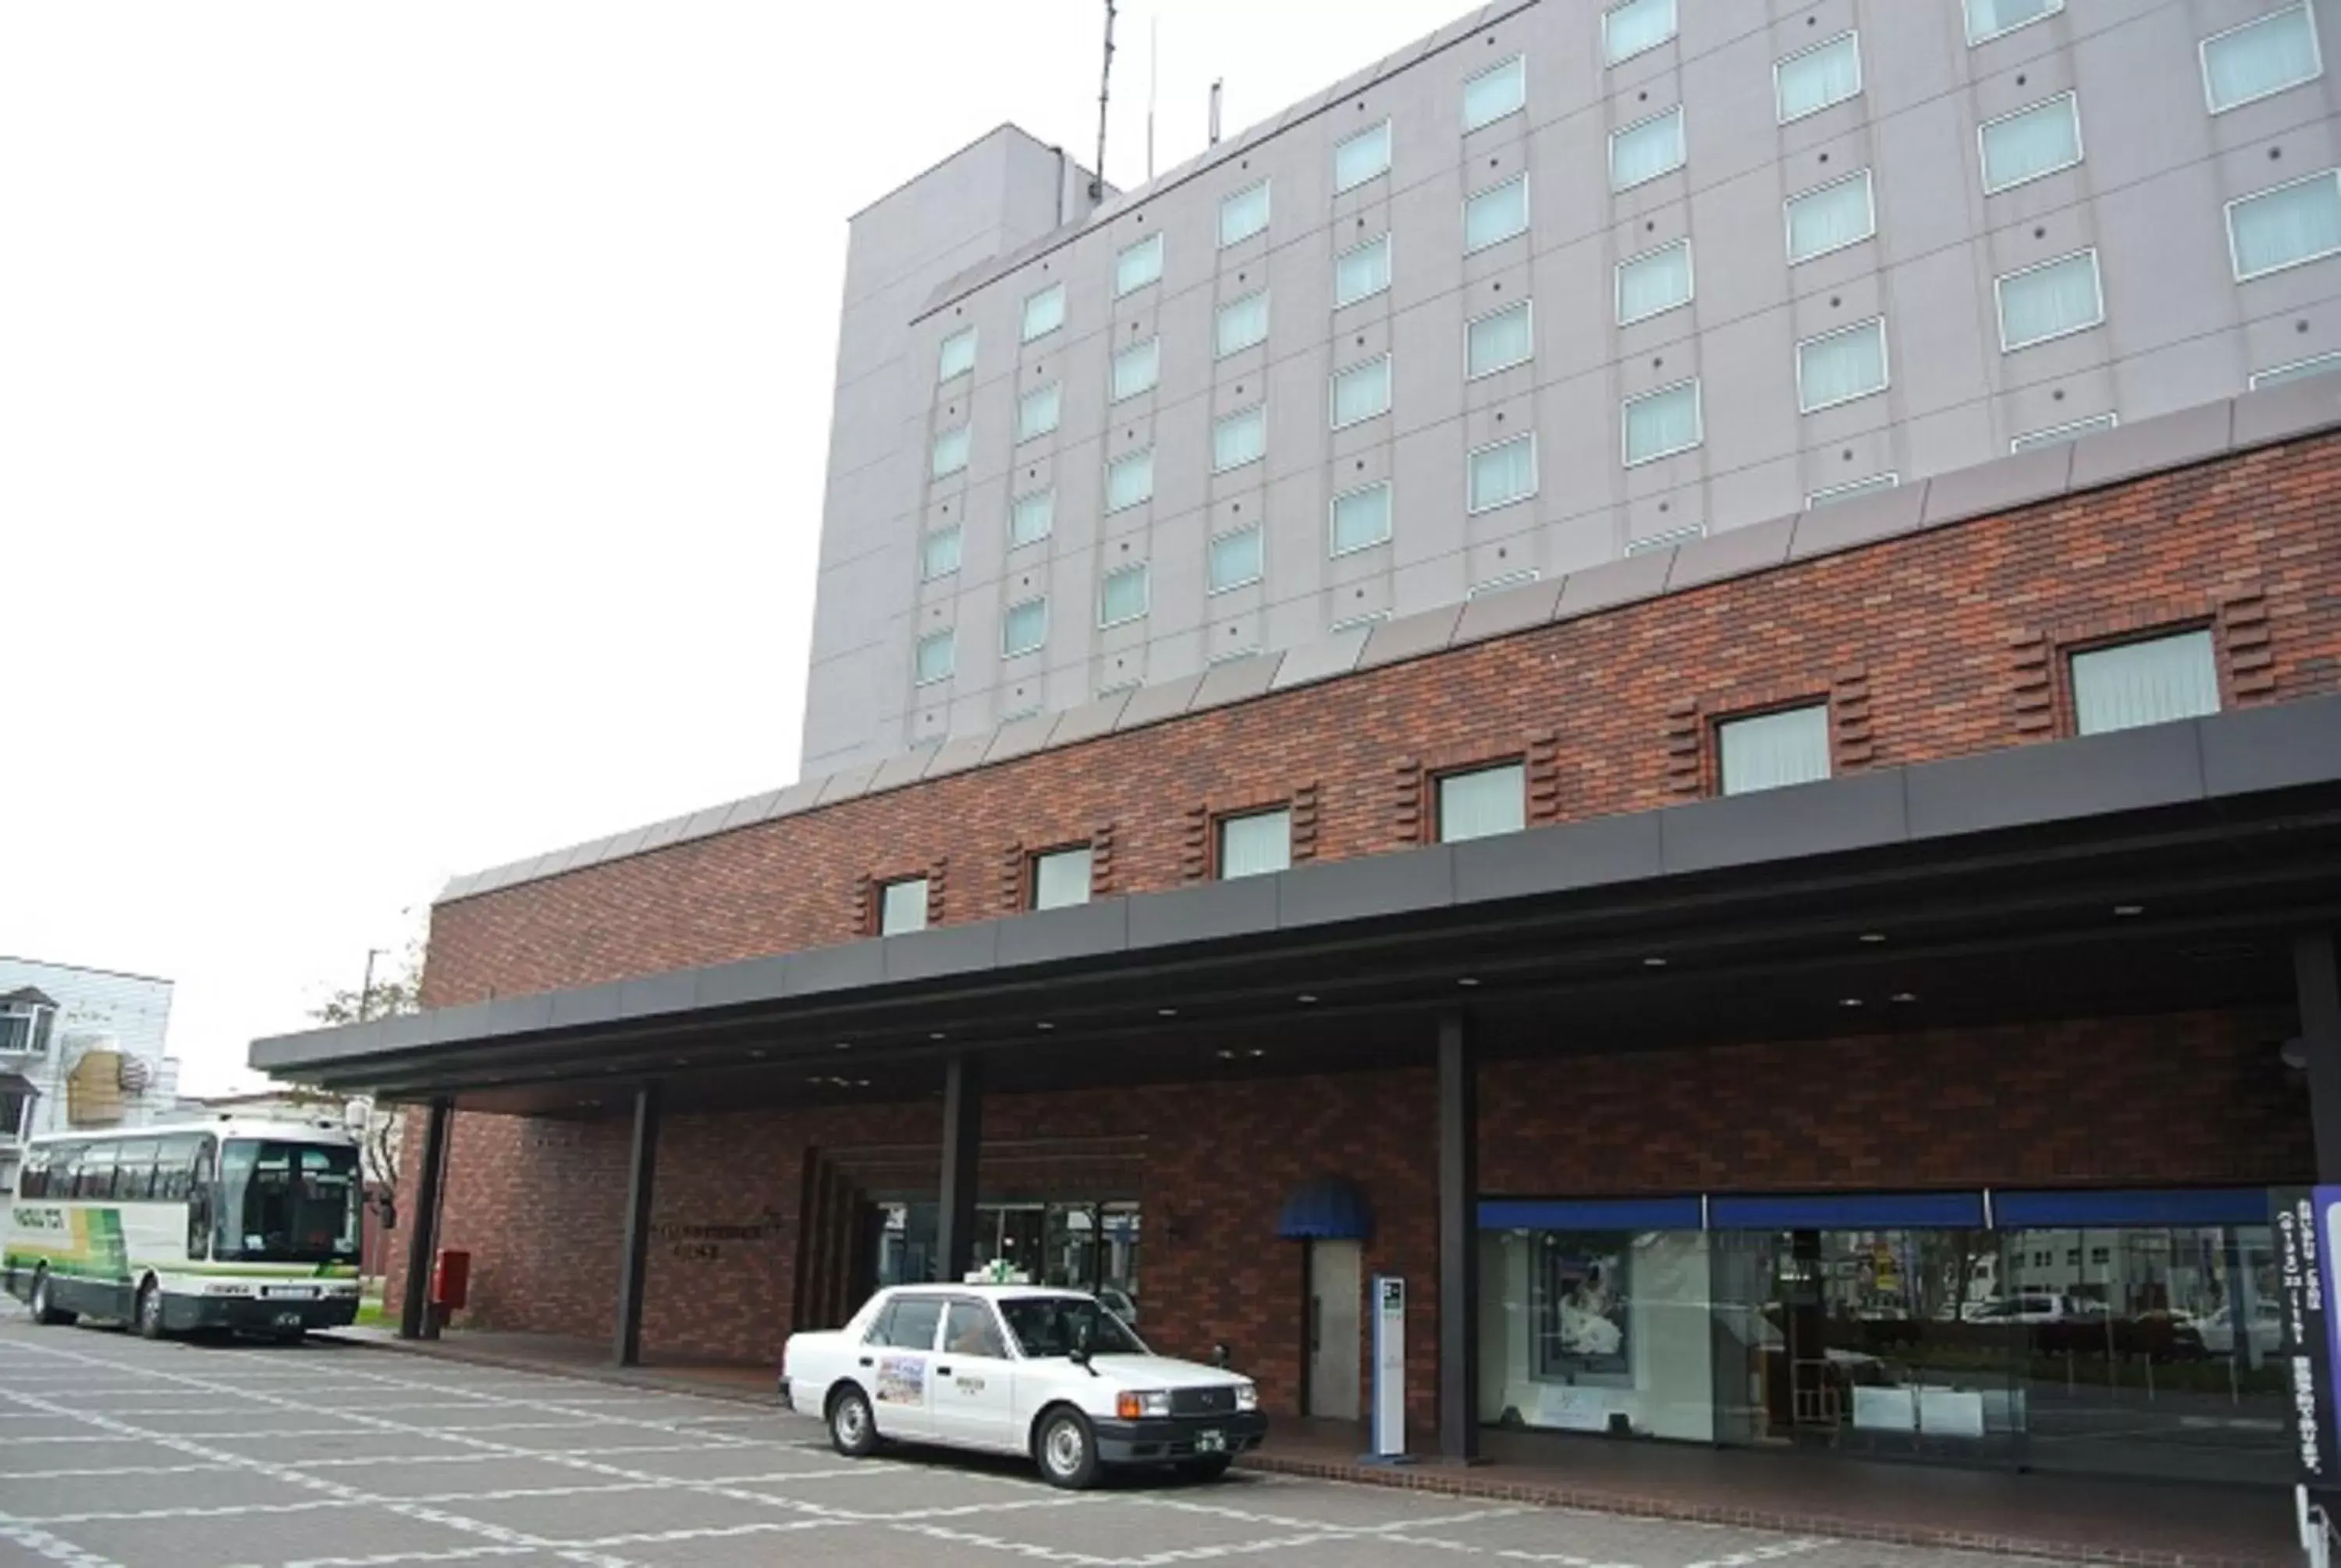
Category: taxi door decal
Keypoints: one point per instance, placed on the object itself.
(903, 1380)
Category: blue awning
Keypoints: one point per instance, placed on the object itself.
(1590, 1213)
(1328, 1209)
(2192, 1206)
(1851, 1211)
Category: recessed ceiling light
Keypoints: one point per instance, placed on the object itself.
(845, 1045)
(2129, 909)
(1467, 980)
(1849, 1002)
(1873, 935)
(861, 1083)
(1256, 1053)
(1905, 996)
(937, 1035)
(1227, 1055)
(1168, 1012)
(758, 1054)
(816, 1080)
(1654, 963)
(1044, 1024)
(682, 1061)
(1304, 999)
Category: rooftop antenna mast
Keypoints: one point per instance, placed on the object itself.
(1153, 86)
(1215, 110)
(1105, 96)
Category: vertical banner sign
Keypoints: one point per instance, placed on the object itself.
(1390, 1367)
(2307, 1225)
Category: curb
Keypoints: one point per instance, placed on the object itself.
(1437, 1479)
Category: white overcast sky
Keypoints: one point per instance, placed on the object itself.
(413, 421)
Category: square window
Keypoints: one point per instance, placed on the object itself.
(1033, 519)
(1061, 879)
(1499, 341)
(1255, 845)
(2261, 58)
(1654, 282)
(1840, 366)
(1361, 391)
(1662, 422)
(1240, 439)
(1498, 91)
(1361, 157)
(1501, 474)
(1483, 803)
(2284, 227)
(939, 557)
(2153, 681)
(1636, 26)
(1496, 215)
(938, 657)
(1024, 628)
(1242, 324)
(2298, 371)
(1236, 559)
(1129, 481)
(950, 452)
(1859, 487)
(1362, 518)
(1044, 313)
(1990, 18)
(1137, 368)
(1830, 218)
(2049, 300)
(958, 355)
(2032, 143)
(1817, 78)
(903, 906)
(1036, 413)
(1499, 584)
(1123, 595)
(1137, 265)
(1361, 272)
(1770, 750)
(2058, 435)
(1641, 152)
(1243, 215)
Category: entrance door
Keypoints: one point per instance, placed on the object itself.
(1335, 1289)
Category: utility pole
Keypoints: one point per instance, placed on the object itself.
(365, 991)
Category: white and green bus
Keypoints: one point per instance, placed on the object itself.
(243, 1223)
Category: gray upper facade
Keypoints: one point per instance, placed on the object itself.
(1566, 280)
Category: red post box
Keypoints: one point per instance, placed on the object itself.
(450, 1281)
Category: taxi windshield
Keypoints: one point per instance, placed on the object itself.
(1043, 1326)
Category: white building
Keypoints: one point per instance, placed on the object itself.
(79, 1048)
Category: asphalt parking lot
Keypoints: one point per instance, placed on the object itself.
(115, 1451)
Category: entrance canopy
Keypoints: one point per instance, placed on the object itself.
(2149, 869)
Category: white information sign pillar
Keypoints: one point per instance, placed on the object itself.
(1390, 1367)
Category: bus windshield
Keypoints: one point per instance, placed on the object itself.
(287, 1202)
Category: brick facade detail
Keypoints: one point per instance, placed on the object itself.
(1928, 646)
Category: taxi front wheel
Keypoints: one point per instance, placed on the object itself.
(1068, 1451)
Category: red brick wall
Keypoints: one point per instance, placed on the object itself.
(1934, 643)
(2189, 1098)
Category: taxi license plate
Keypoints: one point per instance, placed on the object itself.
(1211, 1442)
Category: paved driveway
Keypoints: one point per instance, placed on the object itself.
(115, 1451)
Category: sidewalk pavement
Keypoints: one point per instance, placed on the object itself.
(2070, 1518)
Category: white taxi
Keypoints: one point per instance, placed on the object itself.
(1017, 1369)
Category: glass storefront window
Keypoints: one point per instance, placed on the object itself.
(1080, 1246)
(2135, 1350)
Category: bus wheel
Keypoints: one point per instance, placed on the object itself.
(44, 1312)
(149, 1311)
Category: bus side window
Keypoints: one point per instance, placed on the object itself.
(199, 1201)
(33, 1181)
(172, 1161)
(64, 1168)
(94, 1177)
(134, 1173)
